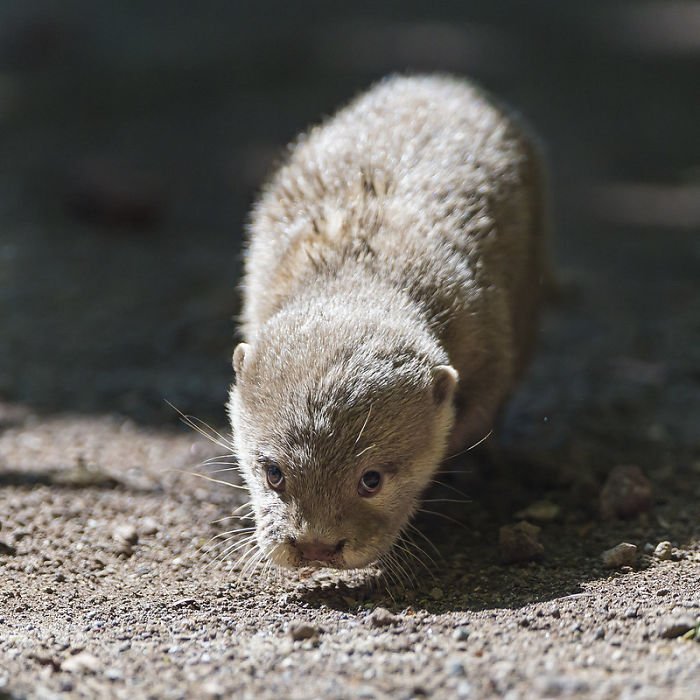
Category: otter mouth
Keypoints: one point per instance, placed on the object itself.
(316, 553)
(292, 554)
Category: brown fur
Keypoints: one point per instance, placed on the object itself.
(400, 247)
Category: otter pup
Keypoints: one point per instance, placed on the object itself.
(391, 289)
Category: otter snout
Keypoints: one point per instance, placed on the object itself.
(319, 551)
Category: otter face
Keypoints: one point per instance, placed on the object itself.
(336, 461)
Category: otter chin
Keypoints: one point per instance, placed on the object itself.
(392, 283)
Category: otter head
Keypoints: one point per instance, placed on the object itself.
(336, 442)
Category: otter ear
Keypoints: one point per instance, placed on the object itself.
(445, 379)
(239, 357)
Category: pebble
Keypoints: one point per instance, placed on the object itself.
(149, 527)
(663, 550)
(381, 617)
(672, 627)
(626, 493)
(464, 689)
(456, 668)
(436, 593)
(542, 511)
(212, 689)
(300, 631)
(124, 549)
(518, 543)
(7, 549)
(624, 554)
(81, 663)
(461, 634)
(126, 533)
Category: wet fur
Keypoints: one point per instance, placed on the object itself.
(402, 238)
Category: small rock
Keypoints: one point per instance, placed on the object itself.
(626, 493)
(456, 668)
(149, 527)
(212, 689)
(126, 533)
(624, 554)
(542, 511)
(9, 549)
(673, 627)
(464, 689)
(81, 663)
(519, 543)
(436, 593)
(124, 549)
(663, 550)
(381, 617)
(300, 631)
(461, 634)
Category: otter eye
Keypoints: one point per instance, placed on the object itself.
(274, 476)
(370, 483)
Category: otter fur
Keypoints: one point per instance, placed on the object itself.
(392, 283)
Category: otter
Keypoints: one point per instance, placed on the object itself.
(391, 287)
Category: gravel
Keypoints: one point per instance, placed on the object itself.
(623, 554)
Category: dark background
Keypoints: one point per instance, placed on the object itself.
(134, 136)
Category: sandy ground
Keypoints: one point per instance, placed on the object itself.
(123, 187)
(111, 588)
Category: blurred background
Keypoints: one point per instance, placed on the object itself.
(135, 135)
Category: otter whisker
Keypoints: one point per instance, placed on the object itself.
(253, 564)
(223, 456)
(221, 557)
(402, 552)
(234, 515)
(418, 531)
(408, 542)
(449, 487)
(471, 447)
(246, 555)
(389, 574)
(366, 449)
(190, 421)
(442, 515)
(220, 471)
(445, 500)
(397, 568)
(364, 425)
(214, 481)
(238, 542)
(201, 549)
(403, 544)
(239, 531)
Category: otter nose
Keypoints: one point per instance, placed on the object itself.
(315, 550)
